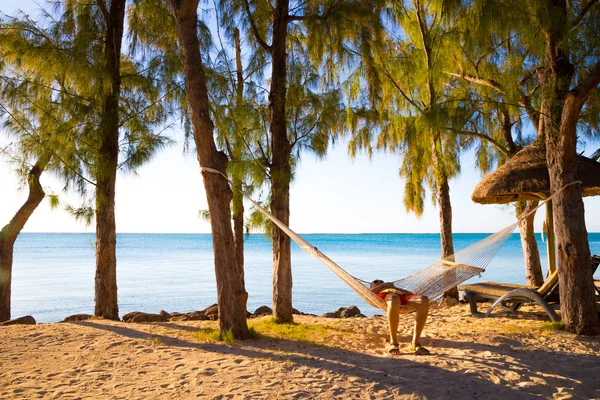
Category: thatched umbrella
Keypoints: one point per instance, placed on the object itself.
(525, 177)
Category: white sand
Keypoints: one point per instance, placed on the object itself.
(501, 357)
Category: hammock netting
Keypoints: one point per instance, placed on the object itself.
(431, 281)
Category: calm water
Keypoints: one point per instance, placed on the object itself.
(53, 274)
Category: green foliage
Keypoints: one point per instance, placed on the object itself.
(204, 215)
(552, 326)
(84, 214)
(53, 200)
(412, 113)
(54, 86)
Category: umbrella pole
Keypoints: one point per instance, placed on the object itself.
(550, 233)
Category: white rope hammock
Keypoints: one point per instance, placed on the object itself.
(431, 281)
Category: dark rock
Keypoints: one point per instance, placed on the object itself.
(143, 317)
(175, 314)
(212, 312)
(263, 310)
(129, 316)
(348, 312)
(330, 315)
(26, 320)
(164, 314)
(360, 316)
(294, 311)
(194, 316)
(77, 317)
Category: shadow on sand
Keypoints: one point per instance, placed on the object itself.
(401, 374)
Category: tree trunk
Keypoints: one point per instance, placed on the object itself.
(559, 113)
(445, 213)
(238, 226)
(9, 234)
(445, 209)
(106, 304)
(280, 168)
(577, 299)
(237, 203)
(533, 266)
(231, 295)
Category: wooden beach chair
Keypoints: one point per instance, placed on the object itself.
(511, 297)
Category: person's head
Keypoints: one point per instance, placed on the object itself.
(375, 283)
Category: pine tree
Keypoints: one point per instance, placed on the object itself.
(109, 106)
(563, 62)
(498, 111)
(412, 110)
(231, 294)
(276, 29)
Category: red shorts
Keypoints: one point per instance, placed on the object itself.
(404, 298)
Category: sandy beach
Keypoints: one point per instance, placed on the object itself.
(504, 357)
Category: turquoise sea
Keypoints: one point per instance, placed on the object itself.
(53, 274)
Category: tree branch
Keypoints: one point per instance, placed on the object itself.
(583, 12)
(479, 81)
(585, 87)
(481, 136)
(415, 105)
(259, 38)
(103, 9)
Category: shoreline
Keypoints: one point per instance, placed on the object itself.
(506, 356)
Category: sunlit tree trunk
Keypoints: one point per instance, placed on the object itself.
(9, 234)
(533, 266)
(561, 106)
(280, 168)
(106, 304)
(445, 213)
(231, 295)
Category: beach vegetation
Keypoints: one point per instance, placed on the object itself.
(154, 341)
(274, 328)
(521, 327)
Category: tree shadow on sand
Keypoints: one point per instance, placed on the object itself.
(404, 375)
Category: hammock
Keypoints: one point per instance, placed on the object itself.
(431, 281)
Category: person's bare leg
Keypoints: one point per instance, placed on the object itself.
(393, 315)
(421, 304)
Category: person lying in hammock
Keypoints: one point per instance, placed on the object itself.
(401, 301)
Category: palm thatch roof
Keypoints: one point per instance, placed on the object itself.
(525, 177)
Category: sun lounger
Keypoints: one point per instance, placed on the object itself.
(516, 295)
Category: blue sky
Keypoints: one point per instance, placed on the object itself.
(336, 195)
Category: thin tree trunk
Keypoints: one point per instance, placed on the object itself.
(238, 199)
(445, 214)
(445, 210)
(231, 295)
(9, 234)
(559, 113)
(280, 167)
(106, 304)
(533, 266)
